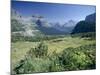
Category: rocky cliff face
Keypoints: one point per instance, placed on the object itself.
(88, 25)
(91, 18)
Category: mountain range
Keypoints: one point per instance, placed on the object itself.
(36, 25)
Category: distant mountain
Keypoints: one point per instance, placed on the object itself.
(66, 27)
(23, 26)
(88, 25)
(37, 25)
(15, 14)
(69, 26)
(43, 23)
(16, 21)
(70, 23)
(16, 26)
(48, 29)
(55, 28)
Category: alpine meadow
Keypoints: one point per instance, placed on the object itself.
(52, 37)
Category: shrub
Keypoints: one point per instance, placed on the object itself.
(79, 58)
(40, 51)
(33, 65)
(56, 64)
(24, 66)
(37, 60)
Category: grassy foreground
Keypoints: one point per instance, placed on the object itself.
(63, 54)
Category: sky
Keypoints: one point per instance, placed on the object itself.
(53, 12)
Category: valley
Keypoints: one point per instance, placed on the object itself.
(20, 49)
(51, 38)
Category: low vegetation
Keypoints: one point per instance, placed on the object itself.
(60, 54)
(69, 59)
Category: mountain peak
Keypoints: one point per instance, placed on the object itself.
(70, 23)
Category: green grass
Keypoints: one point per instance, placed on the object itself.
(19, 49)
(67, 42)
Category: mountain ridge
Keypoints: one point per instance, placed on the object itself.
(87, 25)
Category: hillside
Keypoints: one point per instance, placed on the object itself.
(88, 25)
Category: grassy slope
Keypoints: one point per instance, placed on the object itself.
(19, 49)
